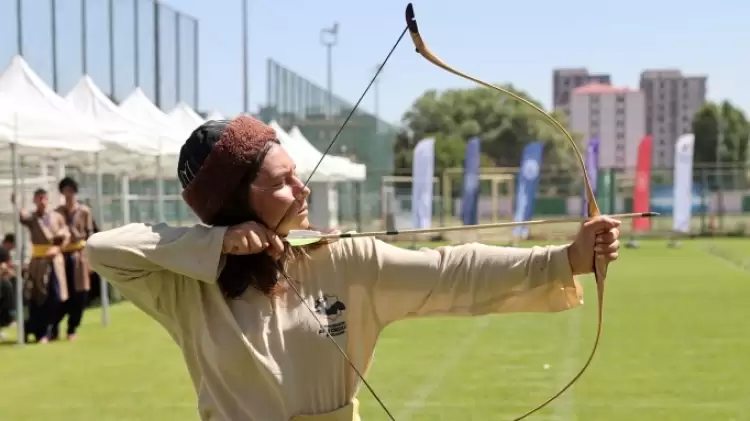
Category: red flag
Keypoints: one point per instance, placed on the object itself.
(641, 190)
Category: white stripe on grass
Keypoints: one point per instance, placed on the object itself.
(433, 382)
(564, 406)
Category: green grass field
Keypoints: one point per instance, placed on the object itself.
(675, 348)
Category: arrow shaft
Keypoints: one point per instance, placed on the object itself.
(483, 226)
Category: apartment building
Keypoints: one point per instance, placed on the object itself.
(614, 115)
(565, 80)
(672, 100)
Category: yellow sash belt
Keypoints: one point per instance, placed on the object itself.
(40, 250)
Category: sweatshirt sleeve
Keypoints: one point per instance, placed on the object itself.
(153, 265)
(469, 279)
(137, 250)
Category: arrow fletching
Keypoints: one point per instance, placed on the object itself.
(299, 238)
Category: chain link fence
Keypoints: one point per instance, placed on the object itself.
(721, 199)
(121, 44)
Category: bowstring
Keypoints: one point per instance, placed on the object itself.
(320, 161)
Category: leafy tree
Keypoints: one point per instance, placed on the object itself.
(503, 124)
(736, 131)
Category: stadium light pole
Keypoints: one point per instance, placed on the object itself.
(245, 63)
(328, 38)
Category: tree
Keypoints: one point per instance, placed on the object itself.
(503, 124)
(736, 128)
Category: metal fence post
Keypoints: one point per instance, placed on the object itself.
(157, 56)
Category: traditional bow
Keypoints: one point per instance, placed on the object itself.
(599, 266)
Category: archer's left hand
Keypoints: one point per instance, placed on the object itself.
(597, 237)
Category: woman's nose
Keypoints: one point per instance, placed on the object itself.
(302, 191)
(305, 192)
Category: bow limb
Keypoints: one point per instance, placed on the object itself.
(599, 266)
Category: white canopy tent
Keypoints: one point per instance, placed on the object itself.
(139, 108)
(338, 165)
(215, 115)
(129, 139)
(186, 118)
(39, 122)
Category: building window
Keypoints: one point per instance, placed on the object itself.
(620, 136)
(620, 99)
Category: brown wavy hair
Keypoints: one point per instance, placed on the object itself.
(259, 271)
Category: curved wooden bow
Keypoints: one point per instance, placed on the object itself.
(599, 266)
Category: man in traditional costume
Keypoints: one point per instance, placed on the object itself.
(81, 225)
(7, 283)
(7, 296)
(46, 286)
(255, 317)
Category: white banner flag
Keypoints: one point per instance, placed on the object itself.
(682, 208)
(423, 170)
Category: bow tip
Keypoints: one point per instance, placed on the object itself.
(411, 20)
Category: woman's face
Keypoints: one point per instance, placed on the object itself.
(278, 193)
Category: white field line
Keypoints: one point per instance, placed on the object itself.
(715, 252)
(433, 382)
(564, 406)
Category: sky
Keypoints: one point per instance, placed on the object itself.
(518, 42)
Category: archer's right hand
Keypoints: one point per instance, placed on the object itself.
(252, 238)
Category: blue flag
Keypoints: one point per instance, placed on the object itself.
(528, 179)
(470, 194)
(423, 170)
(592, 168)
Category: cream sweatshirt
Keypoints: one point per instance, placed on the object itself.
(268, 359)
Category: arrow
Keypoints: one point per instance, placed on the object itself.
(298, 238)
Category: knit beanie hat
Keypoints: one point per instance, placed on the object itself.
(216, 157)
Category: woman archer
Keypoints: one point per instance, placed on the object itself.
(224, 290)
